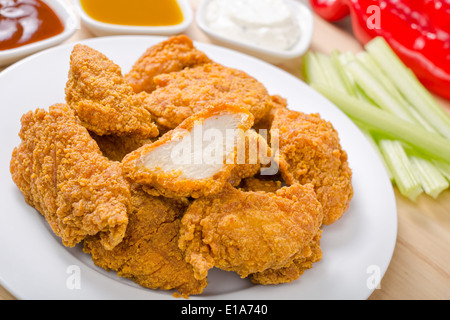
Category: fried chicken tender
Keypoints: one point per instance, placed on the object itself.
(149, 253)
(62, 173)
(310, 152)
(301, 262)
(172, 55)
(249, 232)
(199, 156)
(102, 99)
(180, 95)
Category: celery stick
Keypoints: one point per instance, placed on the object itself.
(343, 59)
(333, 72)
(368, 62)
(444, 168)
(429, 143)
(312, 71)
(393, 62)
(347, 57)
(430, 178)
(330, 73)
(387, 83)
(421, 121)
(410, 87)
(376, 91)
(433, 182)
(343, 75)
(401, 168)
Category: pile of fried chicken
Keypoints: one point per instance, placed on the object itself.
(100, 169)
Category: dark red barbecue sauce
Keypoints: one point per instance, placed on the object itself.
(26, 21)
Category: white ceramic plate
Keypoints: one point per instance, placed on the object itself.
(271, 55)
(69, 19)
(107, 29)
(35, 265)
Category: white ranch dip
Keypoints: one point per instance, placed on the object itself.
(267, 23)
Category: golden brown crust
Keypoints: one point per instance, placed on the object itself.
(251, 158)
(62, 173)
(115, 148)
(310, 152)
(301, 262)
(249, 232)
(172, 55)
(258, 184)
(102, 99)
(149, 253)
(180, 95)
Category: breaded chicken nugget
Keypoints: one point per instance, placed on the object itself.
(310, 152)
(249, 232)
(62, 173)
(102, 99)
(172, 55)
(199, 156)
(149, 253)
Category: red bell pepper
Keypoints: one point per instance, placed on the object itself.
(331, 10)
(417, 30)
(437, 10)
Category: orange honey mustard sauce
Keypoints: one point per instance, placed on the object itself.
(134, 12)
(26, 21)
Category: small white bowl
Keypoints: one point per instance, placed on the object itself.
(274, 56)
(106, 29)
(68, 18)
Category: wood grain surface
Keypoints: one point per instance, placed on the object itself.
(420, 266)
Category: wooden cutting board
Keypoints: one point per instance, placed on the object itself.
(420, 265)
